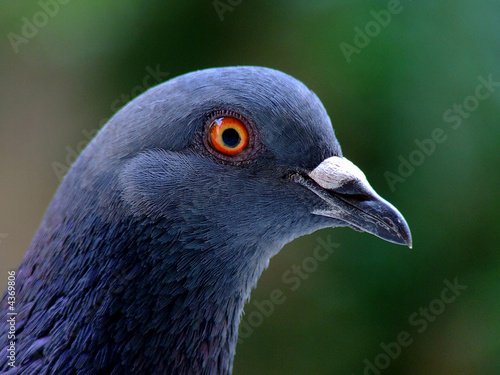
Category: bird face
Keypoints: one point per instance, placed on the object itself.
(250, 153)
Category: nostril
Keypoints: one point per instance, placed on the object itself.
(361, 197)
(355, 197)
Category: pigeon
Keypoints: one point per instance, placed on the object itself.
(159, 231)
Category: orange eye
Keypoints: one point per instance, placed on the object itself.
(228, 135)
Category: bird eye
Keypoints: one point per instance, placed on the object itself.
(228, 135)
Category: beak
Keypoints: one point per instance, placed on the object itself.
(349, 197)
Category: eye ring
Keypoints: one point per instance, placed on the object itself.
(243, 139)
(228, 135)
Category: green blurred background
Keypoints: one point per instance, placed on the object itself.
(87, 59)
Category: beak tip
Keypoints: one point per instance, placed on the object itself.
(404, 231)
(409, 243)
(398, 233)
(401, 240)
(405, 234)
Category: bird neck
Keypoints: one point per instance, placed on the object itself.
(140, 294)
(189, 309)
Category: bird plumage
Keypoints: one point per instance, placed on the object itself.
(151, 245)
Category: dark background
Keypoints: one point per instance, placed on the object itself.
(87, 59)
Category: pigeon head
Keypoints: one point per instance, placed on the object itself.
(167, 219)
(288, 178)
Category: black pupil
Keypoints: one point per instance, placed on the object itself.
(231, 138)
